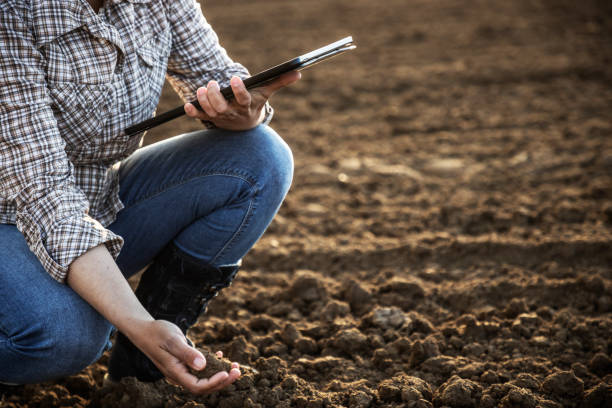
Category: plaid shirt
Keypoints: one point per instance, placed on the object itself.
(71, 81)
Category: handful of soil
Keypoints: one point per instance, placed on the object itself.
(215, 364)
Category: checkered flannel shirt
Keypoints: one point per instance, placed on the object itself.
(71, 80)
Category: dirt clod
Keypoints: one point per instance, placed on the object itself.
(598, 396)
(387, 317)
(459, 392)
(563, 384)
(601, 364)
(214, 365)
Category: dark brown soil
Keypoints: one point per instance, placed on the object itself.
(448, 237)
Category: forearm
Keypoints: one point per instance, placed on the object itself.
(97, 279)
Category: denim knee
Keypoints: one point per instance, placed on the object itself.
(55, 347)
(276, 160)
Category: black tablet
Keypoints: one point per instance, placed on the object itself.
(296, 64)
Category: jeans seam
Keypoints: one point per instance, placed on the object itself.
(244, 177)
(241, 227)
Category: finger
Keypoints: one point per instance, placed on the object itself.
(205, 104)
(197, 385)
(194, 112)
(189, 109)
(281, 82)
(241, 94)
(233, 375)
(171, 381)
(179, 348)
(216, 99)
(212, 384)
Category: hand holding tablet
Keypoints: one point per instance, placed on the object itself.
(260, 79)
(296, 64)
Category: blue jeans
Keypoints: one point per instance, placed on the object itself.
(213, 193)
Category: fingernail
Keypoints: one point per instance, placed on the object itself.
(235, 81)
(198, 363)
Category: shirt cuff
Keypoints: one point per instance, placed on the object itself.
(69, 239)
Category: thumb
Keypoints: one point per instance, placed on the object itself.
(281, 82)
(187, 354)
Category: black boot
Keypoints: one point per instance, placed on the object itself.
(177, 288)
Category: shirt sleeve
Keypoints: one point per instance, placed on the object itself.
(35, 173)
(196, 56)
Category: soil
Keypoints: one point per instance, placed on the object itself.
(447, 241)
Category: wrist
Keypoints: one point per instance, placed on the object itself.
(135, 327)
